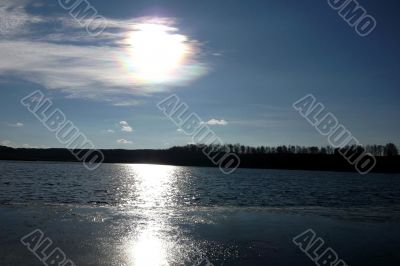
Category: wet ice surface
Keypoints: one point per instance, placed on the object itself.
(226, 236)
(165, 215)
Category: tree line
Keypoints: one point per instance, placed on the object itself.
(389, 149)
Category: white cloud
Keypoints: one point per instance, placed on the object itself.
(26, 146)
(216, 122)
(125, 127)
(110, 131)
(126, 102)
(14, 19)
(124, 141)
(18, 124)
(69, 60)
(7, 143)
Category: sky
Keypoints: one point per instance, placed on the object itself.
(239, 65)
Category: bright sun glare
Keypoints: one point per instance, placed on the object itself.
(149, 247)
(156, 52)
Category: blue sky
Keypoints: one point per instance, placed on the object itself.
(246, 63)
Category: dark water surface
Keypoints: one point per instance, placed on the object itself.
(126, 214)
(170, 186)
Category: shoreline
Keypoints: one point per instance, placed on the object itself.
(374, 171)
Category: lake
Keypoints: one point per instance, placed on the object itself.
(124, 214)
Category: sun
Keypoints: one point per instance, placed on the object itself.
(156, 52)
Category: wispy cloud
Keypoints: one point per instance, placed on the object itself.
(12, 144)
(82, 66)
(28, 146)
(124, 141)
(125, 127)
(7, 143)
(18, 124)
(123, 103)
(111, 131)
(216, 122)
(14, 19)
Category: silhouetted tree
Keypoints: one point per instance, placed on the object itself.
(391, 150)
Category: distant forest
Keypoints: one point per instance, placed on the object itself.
(280, 157)
(389, 149)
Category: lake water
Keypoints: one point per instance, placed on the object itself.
(125, 214)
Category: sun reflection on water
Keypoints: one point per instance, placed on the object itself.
(148, 244)
(148, 248)
(154, 184)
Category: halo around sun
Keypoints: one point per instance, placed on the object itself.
(157, 53)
